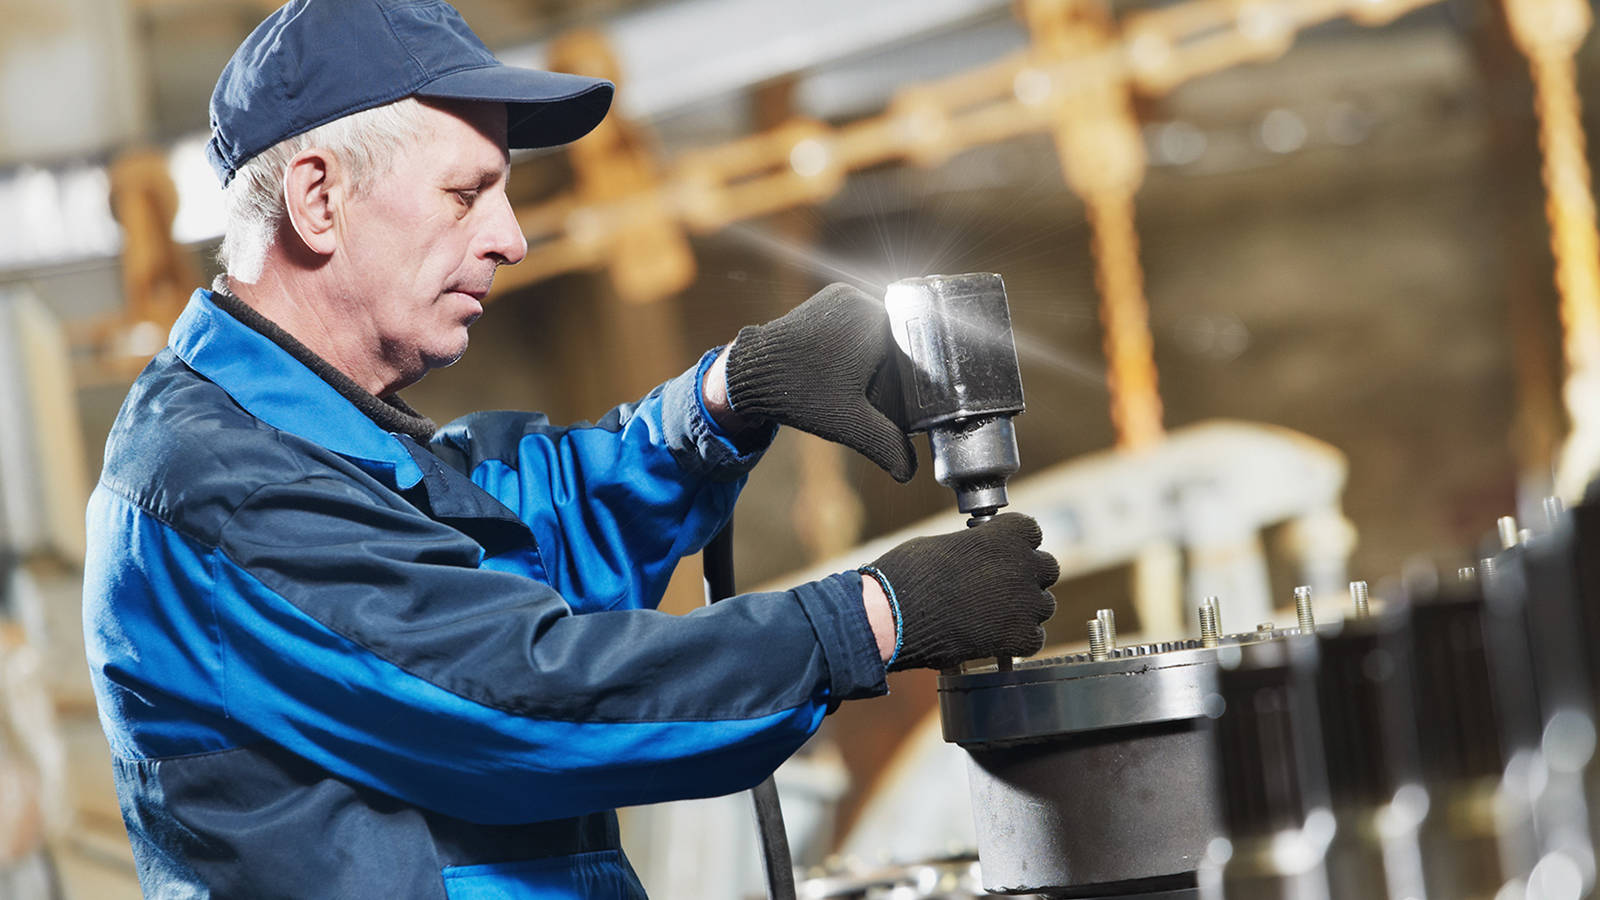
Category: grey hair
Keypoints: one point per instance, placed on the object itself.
(365, 142)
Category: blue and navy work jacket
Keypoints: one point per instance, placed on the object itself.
(333, 662)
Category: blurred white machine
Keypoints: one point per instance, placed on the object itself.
(1209, 489)
(43, 482)
(43, 490)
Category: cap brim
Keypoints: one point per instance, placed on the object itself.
(543, 109)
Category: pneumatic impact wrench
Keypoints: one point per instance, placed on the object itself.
(961, 384)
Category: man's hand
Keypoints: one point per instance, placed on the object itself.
(976, 593)
(828, 367)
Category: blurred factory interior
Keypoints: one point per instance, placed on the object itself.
(1280, 272)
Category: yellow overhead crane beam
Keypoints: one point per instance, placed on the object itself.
(1076, 80)
(805, 162)
(1549, 33)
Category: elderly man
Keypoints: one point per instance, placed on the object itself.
(341, 653)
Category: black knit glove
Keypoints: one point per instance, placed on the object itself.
(828, 367)
(975, 593)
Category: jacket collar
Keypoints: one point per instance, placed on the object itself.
(281, 391)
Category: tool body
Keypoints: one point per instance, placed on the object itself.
(960, 381)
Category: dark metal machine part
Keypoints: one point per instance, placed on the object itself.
(1584, 524)
(1463, 753)
(1541, 663)
(1088, 776)
(1538, 583)
(1369, 747)
(1367, 760)
(1269, 755)
(960, 380)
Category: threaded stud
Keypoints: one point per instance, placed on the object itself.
(1210, 623)
(1553, 510)
(1108, 620)
(1507, 527)
(1302, 610)
(1098, 647)
(1358, 596)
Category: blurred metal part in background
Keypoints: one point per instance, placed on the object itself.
(1369, 748)
(1442, 746)
(1472, 723)
(1272, 780)
(1543, 626)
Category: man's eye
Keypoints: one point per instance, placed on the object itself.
(467, 198)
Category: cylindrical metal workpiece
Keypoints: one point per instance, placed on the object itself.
(1474, 840)
(1269, 752)
(1369, 748)
(1089, 778)
(1539, 662)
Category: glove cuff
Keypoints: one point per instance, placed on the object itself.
(758, 371)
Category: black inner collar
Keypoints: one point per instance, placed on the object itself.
(389, 413)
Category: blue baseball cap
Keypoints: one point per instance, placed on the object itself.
(313, 61)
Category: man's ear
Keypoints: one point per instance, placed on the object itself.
(312, 190)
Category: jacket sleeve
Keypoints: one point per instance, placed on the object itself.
(363, 637)
(613, 506)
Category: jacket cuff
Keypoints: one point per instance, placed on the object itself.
(839, 618)
(689, 424)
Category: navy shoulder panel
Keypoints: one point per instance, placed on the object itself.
(182, 449)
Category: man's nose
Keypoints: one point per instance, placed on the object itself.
(504, 238)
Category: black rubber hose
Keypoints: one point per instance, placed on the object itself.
(775, 859)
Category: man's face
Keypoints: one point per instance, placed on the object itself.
(422, 240)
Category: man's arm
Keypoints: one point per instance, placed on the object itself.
(363, 637)
(336, 622)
